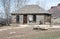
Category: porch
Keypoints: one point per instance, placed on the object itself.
(31, 19)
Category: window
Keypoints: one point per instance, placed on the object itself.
(17, 18)
(34, 18)
(31, 18)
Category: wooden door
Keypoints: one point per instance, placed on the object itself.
(24, 19)
(17, 19)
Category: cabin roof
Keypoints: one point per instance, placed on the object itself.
(30, 9)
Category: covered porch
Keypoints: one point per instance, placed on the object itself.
(38, 19)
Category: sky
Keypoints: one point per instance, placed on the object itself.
(46, 4)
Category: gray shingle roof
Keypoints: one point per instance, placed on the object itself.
(31, 9)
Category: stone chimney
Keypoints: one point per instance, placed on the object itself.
(52, 7)
(59, 4)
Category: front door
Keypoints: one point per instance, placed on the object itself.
(24, 19)
(17, 19)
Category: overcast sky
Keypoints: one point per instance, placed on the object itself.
(46, 4)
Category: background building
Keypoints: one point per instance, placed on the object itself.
(55, 11)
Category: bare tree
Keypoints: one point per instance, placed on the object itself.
(20, 3)
(6, 5)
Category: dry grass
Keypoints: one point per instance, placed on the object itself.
(29, 33)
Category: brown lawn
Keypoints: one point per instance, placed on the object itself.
(29, 33)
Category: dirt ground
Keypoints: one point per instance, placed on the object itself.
(29, 33)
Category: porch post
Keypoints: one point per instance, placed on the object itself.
(50, 21)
